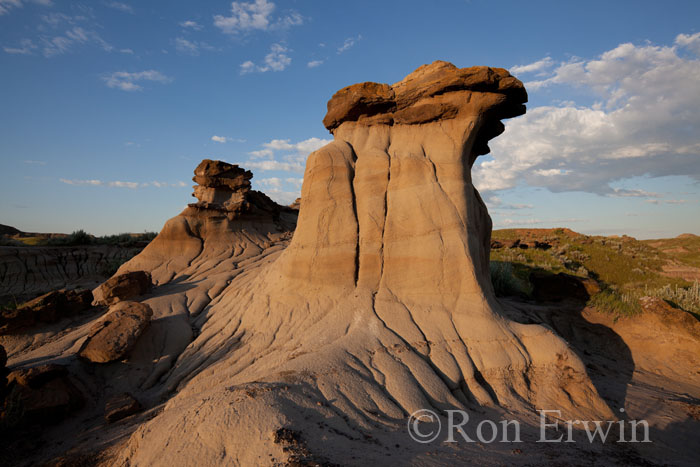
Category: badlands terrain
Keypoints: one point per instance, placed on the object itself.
(249, 333)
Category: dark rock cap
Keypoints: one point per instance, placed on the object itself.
(408, 101)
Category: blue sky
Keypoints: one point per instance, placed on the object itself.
(108, 106)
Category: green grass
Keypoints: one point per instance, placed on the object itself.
(611, 301)
(625, 268)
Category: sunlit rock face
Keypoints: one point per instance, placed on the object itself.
(379, 306)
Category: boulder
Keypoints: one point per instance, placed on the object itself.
(40, 395)
(495, 244)
(123, 287)
(47, 308)
(549, 287)
(114, 336)
(121, 406)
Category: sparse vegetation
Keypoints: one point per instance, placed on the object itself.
(685, 298)
(505, 282)
(611, 301)
(109, 267)
(626, 269)
(80, 238)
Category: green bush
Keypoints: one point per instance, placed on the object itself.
(78, 237)
(609, 300)
(505, 283)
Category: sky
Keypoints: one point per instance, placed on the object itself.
(106, 107)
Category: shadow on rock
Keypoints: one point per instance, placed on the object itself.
(605, 354)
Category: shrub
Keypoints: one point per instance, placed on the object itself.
(78, 237)
(504, 281)
(109, 267)
(609, 300)
(686, 298)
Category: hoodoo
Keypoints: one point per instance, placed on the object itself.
(380, 305)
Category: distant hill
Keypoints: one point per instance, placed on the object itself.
(626, 268)
(8, 230)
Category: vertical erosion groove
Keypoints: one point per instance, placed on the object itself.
(353, 173)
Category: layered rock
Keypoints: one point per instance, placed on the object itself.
(226, 206)
(381, 304)
(47, 308)
(26, 272)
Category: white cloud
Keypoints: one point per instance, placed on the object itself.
(117, 184)
(247, 67)
(295, 181)
(304, 147)
(284, 191)
(128, 81)
(55, 19)
(7, 5)
(645, 123)
(525, 222)
(690, 42)
(282, 197)
(219, 139)
(274, 182)
(120, 7)
(551, 172)
(32, 162)
(195, 26)
(539, 65)
(514, 207)
(122, 184)
(26, 48)
(76, 36)
(293, 161)
(314, 63)
(668, 201)
(262, 153)
(634, 193)
(255, 15)
(276, 165)
(276, 60)
(126, 51)
(184, 46)
(348, 44)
